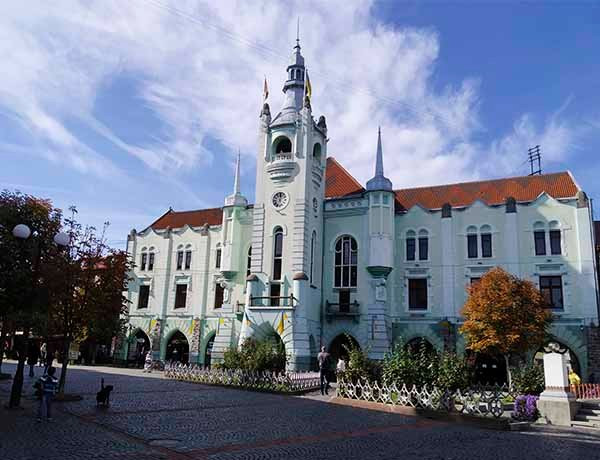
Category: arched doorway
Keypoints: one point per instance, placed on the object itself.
(338, 348)
(208, 350)
(416, 344)
(178, 348)
(139, 345)
(572, 360)
(490, 370)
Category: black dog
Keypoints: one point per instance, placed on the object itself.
(103, 396)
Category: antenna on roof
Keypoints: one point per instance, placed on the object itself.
(534, 156)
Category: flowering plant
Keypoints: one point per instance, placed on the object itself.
(526, 408)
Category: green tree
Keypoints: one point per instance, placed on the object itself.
(504, 315)
(22, 286)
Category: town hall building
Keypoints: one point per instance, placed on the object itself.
(318, 257)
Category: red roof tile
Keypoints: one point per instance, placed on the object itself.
(178, 219)
(338, 181)
(527, 188)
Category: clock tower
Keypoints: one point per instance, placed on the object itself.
(284, 285)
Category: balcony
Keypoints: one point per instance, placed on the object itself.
(273, 302)
(342, 311)
(282, 166)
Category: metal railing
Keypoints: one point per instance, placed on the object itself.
(283, 156)
(586, 390)
(343, 310)
(273, 301)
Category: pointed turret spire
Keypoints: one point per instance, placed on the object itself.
(236, 199)
(379, 181)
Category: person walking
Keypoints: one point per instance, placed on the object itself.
(43, 351)
(33, 354)
(340, 368)
(48, 384)
(148, 362)
(323, 360)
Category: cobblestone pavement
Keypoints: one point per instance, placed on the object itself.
(152, 418)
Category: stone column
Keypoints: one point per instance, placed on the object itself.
(557, 404)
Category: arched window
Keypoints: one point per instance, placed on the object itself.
(293, 74)
(411, 247)
(472, 242)
(188, 256)
(346, 258)
(277, 252)
(317, 152)
(151, 259)
(180, 257)
(486, 241)
(283, 145)
(249, 261)
(423, 245)
(144, 259)
(313, 242)
(554, 233)
(218, 256)
(553, 240)
(539, 238)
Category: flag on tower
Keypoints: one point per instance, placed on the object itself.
(308, 88)
(281, 325)
(265, 90)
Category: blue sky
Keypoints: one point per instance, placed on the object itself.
(125, 109)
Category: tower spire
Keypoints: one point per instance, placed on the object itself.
(236, 199)
(298, 33)
(379, 181)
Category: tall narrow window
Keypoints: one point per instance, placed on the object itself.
(410, 245)
(551, 289)
(417, 294)
(277, 252)
(486, 245)
(179, 260)
(423, 245)
(144, 295)
(188, 259)
(555, 248)
(249, 262)
(144, 261)
(472, 246)
(346, 258)
(150, 261)
(539, 237)
(275, 294)
(219, 295)
(218, 258)
(313, 240)
(180, 295)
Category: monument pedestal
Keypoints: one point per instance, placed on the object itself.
(557, 404)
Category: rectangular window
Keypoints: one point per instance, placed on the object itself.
(151, 261)
(344, 300)
(218, 259)
(539, 237)
(143, 264)
(475, 280)
(417, 294)
(180, 295)
(275, 294)
(410, 249)
(143, 296)
(188, 259)
(179, 260)
(219, 291)
(555, 248)
(551, 289)
(472, 246)
(486, 245)
(423, 248)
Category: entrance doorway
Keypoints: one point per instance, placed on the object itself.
(208, 352)
(339, 345)
(178, 348)
(139, 345)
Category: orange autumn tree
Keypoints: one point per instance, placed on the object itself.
(504, 315)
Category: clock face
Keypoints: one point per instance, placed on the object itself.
(280, 200)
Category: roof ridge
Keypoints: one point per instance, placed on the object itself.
(500, 179)
(196, 210)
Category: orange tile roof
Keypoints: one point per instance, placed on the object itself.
(178, 219)
(338, 181)
(527, 188)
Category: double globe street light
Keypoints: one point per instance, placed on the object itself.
(23, 232)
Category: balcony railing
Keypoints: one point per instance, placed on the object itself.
(342, 310)
(273, 301)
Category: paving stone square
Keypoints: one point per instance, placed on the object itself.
(154, 418)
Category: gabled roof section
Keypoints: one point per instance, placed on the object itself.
(339, 182)
(178, 219)
(491, 192)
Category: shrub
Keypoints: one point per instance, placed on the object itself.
(256, 355)
(526, 408)
(359, 366)
(453, 372)
(528, 379)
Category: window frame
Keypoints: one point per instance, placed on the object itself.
(472, 243)
(179, 260)
(551, 289)
(486, 238)
(424, 294)
(218, 255)
(188, 259)
(539, 236)
(557, 234)
(178, 301)
(219, 295)
(277, 267)
(350, 269)
(143, 261)
(146, 296)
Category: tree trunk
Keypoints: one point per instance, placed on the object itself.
(2, 340)
(65, 362)
(508, 374)
(17, 383)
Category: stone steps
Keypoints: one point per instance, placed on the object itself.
(588, 415)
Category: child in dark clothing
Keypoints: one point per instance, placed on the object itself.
(47, 385)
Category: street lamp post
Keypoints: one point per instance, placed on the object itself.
(23, 232)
